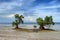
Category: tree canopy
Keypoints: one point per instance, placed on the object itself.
(18, 20)
(48, 20)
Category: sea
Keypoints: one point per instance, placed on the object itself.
(30, 26)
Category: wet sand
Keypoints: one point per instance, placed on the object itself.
(9, 34)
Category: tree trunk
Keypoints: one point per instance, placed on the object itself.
(41, 27)
(16, 26)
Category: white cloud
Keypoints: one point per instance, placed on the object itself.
(19, 12)
(7, 16)
(42, 11)
(53, 6)
(39, 10)
(30, 18)
(47, 7)
(10, 16)
(9, 6)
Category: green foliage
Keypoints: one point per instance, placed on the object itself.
(39, 21)
(51, 20)
(16, 15)
(34, 26)
(18, 19)
(13, 24)
(47, 21)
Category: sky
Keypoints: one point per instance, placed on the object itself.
(30, 9)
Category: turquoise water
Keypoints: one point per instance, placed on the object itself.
(30, 26)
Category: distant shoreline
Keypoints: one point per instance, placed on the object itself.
(30, 23)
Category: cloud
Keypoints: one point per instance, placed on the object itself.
(10, 16)
(9, 6)
(30, 18)
(54, 6)
(47, 10)
(29, 9)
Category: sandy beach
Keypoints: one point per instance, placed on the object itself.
(9, 34)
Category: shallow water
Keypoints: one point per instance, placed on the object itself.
(30, 26)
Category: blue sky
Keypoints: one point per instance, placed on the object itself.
(30, 9)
